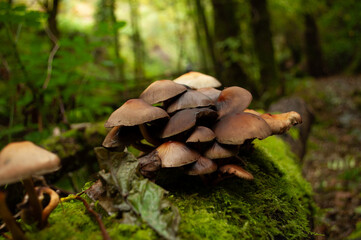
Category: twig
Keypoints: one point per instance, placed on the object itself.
(97, 217)
(94, 213)
(6, 236)
(51, 57)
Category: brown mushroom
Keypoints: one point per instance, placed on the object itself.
(111, 139)
(161, 90)
(235, 129)
(201, 134)
(137, 112)
(20, 161)
(202, 166)
(186, 119)
(180, 122)
(217, 151)
(197, 80)
(201, 138)
(280, 123)
(237, 171)
(190, 99)
(210, 92)
(176, 154)
(233, 100)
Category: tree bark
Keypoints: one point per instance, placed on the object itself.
(117, 47)
(138, 44)
(226, 26)
(262, 38)
(313, 47)
(208, 37)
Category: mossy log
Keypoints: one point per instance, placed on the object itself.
(277, 204)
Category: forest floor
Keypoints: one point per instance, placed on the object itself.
(333, 160)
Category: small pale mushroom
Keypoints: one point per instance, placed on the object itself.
(233, 100)
(190, 99)
(202, 166)
(197, 80)
(161, 90)
(235, 129)
(19, 161)
(236, 170)
(137, 112)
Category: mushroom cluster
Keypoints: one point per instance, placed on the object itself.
(188, 123)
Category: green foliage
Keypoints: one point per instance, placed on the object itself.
(145, 201)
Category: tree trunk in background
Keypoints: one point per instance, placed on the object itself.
(263, 46)
(200, 46)
(227, 26)
(52, 20)
(118, 58)
(106, 20)
(313, 47)
(208, 38)
(138, 44)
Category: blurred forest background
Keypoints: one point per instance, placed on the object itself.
(64, 62)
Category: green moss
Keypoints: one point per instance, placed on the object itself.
(294, 133)
(276, 205)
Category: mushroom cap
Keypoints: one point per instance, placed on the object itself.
(134, 112)
(201, 134)
(233, 100)
(234, 129)
(111, 140)
(197, 80)
(180, 122)
(20, 160)
(161, 90)
(280, 123)
(236, 170)
(122, 135)
(186, 119)
(210, 92)
(176, 154)
(202, 166)
(252, 111)
(190, 99)
(218, 151)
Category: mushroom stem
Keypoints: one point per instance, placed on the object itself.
(142, 147)
(54, 201)
(35, 204)
(146, 135)
(9, 220)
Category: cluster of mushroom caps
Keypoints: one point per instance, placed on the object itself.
(188, 123)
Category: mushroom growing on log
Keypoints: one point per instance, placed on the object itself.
(208, 130)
